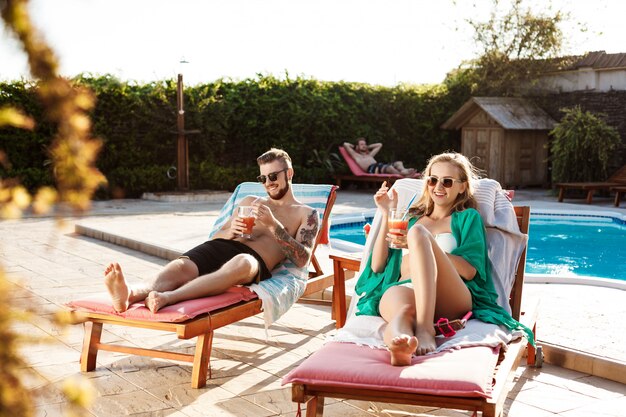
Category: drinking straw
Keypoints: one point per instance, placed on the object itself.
(408, 206)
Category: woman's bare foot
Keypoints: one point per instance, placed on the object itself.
(426, 341)
(401, 349)
(117, 287)
(156, 300)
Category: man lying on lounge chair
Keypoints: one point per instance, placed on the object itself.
(364, 154)
(283, 228)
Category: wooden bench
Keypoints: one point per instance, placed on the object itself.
(619, 192)
(617, 180)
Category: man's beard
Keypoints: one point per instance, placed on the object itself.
(281, 193)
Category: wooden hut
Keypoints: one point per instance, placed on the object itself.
(506, 137)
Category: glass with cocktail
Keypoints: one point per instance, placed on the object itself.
(246, 215)
(398, 228)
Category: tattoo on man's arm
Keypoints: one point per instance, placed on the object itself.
(299, 251)
(291, 248)
(309, 233)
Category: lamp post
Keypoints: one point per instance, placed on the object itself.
(182, 146)
(182, 149)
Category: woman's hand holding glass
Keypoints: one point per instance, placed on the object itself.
(398, 226)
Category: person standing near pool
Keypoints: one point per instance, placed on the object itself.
(363, 154)
(446, 272)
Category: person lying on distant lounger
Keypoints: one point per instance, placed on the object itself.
(284, 228)
(364, 154)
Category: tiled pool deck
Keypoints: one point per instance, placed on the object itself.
(580, 325)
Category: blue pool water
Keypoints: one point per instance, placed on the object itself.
(559, 244)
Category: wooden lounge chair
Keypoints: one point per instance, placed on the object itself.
(199, 318)
(619, 193)
(374, 379)
(617, 180)
(359, 175)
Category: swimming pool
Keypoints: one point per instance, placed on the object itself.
(559, 244)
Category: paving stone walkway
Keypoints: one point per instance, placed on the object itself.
(48, 265)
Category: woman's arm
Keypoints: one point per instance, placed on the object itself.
(384, 202)
(380, 252)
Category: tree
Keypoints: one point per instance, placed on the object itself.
(517, 45)
(73, 152)
(582, 147)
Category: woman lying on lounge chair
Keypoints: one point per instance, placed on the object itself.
(445, 273)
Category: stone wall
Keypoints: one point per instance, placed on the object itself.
(611, 103)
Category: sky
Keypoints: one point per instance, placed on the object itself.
(383, 42)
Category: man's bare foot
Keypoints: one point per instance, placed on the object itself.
(401, 349)
(117, 287)
(427, 342)
(156, 300)
(407, 172)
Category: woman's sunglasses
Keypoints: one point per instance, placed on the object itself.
(446, 182)
(273, 176)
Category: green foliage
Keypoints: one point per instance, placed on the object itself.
(238, 121)
(30, 177)
(518, 44)
(519, 33)
(330, 161)
(131, 182)
(582, 147)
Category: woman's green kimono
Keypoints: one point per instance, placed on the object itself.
(469, 232)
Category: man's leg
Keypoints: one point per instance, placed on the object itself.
(176, 273)
(241, 269)
(402, 170)
(390, 169)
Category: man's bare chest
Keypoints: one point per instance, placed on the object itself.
(290, 220)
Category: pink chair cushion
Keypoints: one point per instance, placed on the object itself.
(175, 313)
(466, 372)
(356, 169)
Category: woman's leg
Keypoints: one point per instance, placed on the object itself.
(397, 307)
(438, 288)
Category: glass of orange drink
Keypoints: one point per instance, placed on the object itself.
(398, 228)
(245, 214)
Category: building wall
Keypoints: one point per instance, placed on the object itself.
(585, 79)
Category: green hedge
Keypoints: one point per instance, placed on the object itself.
(582, 146)
(238, 120)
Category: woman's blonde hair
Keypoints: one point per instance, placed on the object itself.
(467, 173)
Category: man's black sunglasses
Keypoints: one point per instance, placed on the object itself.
(273, 176)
